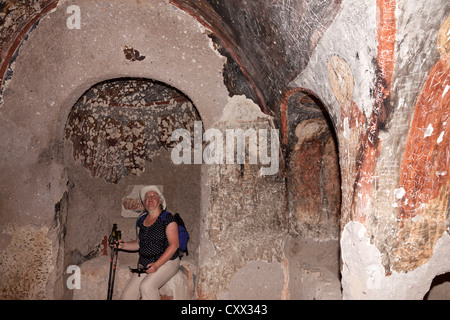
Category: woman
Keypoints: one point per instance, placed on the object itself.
(157, 242)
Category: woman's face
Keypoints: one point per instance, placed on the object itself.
(151, 200)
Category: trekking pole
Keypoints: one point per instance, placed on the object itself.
(119, 235)
(111, 241)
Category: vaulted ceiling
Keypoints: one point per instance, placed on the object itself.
(267, 43)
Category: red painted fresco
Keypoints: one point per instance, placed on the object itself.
(369, 151)
(354, 115)
(426, 159)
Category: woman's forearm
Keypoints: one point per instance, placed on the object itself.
(129, 246)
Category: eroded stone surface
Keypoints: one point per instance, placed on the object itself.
(118, 125)
(26, 262)
(364, 276)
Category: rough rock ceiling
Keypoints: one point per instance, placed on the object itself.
(267, 43)
(270, 42)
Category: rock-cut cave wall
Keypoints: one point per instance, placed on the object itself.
(359, 94)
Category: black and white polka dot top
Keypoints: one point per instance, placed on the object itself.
(153, 240)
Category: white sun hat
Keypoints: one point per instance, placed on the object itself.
(157, 189)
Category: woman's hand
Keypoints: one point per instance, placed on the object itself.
(117, 244)
(152, 267)
(127, 246)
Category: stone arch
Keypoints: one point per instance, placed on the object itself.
(59, 60)
(48, 75)
(45, 91)
(313, 195)
(311, 133)
(118, 138)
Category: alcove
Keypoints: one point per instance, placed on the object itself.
(314, 197)
(118, 138)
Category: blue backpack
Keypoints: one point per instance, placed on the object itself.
(183, 235)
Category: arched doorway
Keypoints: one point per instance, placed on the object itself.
(118, 138)
(314, 198)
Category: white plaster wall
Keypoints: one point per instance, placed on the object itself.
(363, 275)
(351, 36)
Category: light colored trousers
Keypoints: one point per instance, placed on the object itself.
(147, 285)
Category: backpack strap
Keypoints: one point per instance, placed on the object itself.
(179, 228)
(143, 215)
(164, 215)
(138, 220)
